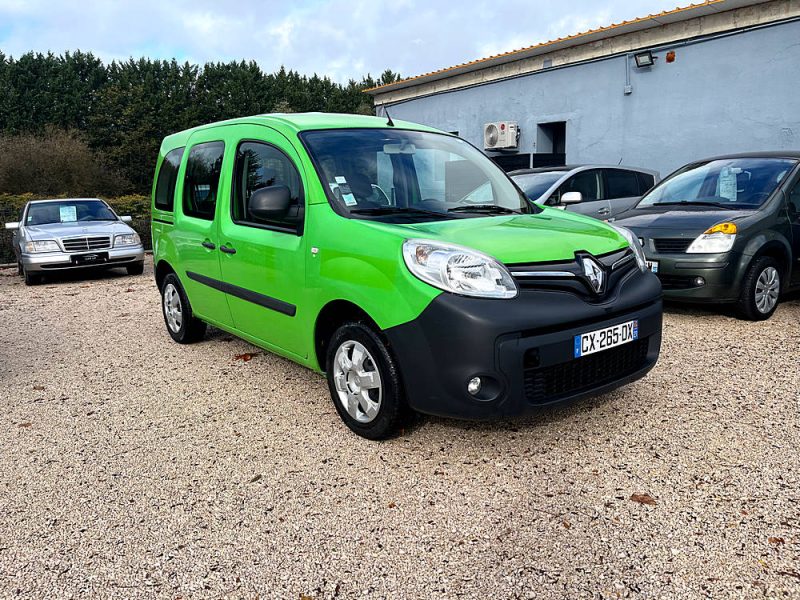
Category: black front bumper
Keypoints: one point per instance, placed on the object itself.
(522, 349)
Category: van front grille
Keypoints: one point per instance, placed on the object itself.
(672, 245)
(546, 384)
(83, 244)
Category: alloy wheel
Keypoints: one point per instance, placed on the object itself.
(768, 287)
(357, 381)
(172, 308)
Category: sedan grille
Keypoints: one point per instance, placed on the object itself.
(82, 244)
(544, 385)
(672, 245)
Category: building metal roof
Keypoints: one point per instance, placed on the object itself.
(681, 13)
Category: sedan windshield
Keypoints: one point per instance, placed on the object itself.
(536, 184)
(68, 211)
(410, 175)
(727, 183)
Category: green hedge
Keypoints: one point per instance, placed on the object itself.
(138, 207)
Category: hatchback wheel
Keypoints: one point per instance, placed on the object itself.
(182, 325)
(761, 290)
(364, 382)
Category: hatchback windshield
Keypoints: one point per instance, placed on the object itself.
(68, 211)
(536, 184)
(726, 183)
(409, 174)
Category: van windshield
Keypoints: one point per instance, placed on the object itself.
(404, 175)
(726, 183)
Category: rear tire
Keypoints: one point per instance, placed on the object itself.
(761, 289)
(182, 325)
(135, 268)
(364, 382)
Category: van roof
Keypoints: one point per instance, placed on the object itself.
(297, 122)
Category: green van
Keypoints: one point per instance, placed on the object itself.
(401, 262)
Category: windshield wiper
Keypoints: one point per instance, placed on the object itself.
(395, 210)
(485, 208)
(695, 202)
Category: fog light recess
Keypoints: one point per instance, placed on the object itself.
(699, 281)
(474, 386)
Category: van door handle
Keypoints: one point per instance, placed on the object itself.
(603, 211)
(208, 245)
(227, 250)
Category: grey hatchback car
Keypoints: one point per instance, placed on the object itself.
(56, 235)
(596, 191)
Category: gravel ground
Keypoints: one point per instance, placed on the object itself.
(131, 466)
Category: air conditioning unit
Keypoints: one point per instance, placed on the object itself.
(500, 135)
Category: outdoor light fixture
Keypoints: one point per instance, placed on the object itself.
(644, 59)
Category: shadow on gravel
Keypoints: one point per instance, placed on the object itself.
(87, 275)
(725, 310)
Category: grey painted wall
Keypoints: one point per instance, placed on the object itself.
(730, 94)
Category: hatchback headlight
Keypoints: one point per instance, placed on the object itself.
(458, 270)
(127, 239)
(714, 240)
(633, 242)
(41, 246)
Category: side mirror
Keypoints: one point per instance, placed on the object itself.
(12, 225)
(126, 219)
(270, 203)
(571, 198)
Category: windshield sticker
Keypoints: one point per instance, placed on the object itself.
(727, 183)
(344, 189)
(68, 214)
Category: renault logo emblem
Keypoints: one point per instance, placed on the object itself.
(593, 272)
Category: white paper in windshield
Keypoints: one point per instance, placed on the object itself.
(727, 183)
(347, 195)
(68, 214)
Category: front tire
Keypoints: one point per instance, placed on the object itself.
(364, 382)
(761, 290)
(181, 323)
(31, 278)
(135, 268)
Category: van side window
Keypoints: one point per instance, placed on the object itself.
(167, 178)
(200, 186)
(260, 165)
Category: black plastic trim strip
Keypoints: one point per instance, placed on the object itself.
(163, 221)
(245, 294)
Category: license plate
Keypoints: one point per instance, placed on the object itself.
(652, 265)
(90, 259)
(603, 339)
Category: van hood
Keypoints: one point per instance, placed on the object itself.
(552, 235)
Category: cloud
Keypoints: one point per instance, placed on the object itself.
(339, 38)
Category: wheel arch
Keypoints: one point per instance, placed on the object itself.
(328, 320)
(774, 248)
(162, 269)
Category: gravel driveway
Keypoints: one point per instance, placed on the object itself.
(131, 466)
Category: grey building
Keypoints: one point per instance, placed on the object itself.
(725, 77)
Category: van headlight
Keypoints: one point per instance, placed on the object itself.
(41, 246)
(127, 239)
(633, 242)
(458, 270)
(714, 240)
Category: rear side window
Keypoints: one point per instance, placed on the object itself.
(200, 186)
(621, 184)
(167, 178)
(646, 182)
(260, 165)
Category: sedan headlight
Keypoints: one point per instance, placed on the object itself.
(458, 270)
(714, 240)
(633, 242)
(127, 239)
(41, 246)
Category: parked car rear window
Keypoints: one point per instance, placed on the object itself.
(201, 183)
(621, 184)
(167, 178)
(68, 211)
(260, 165)
(729, 182)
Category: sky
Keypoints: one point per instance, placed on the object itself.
(342, 39)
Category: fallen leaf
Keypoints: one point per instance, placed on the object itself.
(392, 505)
(777, 541)
(644, 499)
(38, 388)
(246, 357)
(255, 478)
(24, 424)
(566, 524)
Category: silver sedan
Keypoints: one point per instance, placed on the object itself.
(56, 235)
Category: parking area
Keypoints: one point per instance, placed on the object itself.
(133, 466)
